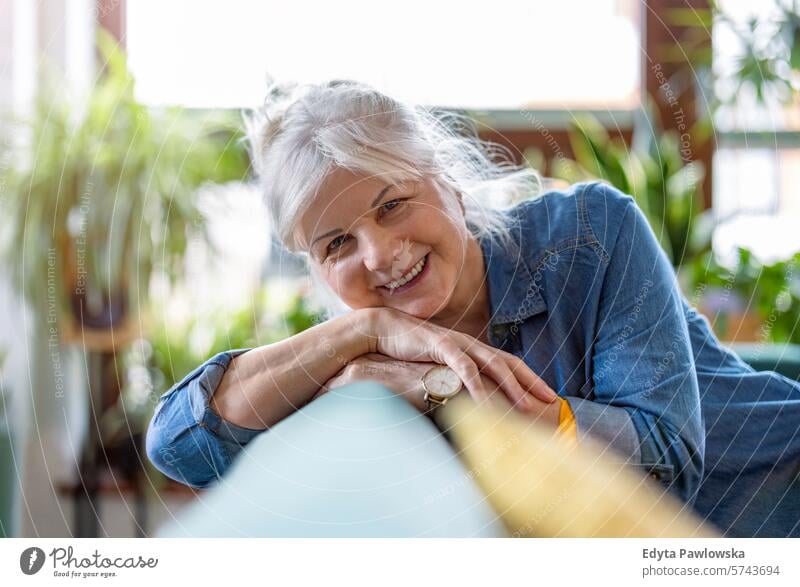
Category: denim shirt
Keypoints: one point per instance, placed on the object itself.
(590, 302)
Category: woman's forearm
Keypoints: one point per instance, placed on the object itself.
(263, 386)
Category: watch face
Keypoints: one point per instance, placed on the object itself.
(442, 382)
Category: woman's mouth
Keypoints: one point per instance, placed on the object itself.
(412, 278)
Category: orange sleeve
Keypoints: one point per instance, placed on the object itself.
(566, 422)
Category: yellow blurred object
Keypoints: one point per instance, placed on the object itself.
(542, 484)
(566, 422)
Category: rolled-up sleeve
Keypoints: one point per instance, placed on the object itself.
(186, 439)
(645, 402)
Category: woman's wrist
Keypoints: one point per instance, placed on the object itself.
(363, 327)
(266, 384)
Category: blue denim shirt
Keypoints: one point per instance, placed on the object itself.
(591, 303)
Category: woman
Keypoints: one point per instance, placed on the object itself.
(564, 306)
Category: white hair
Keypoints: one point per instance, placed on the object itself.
(303, 132)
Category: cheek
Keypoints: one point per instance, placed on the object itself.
(451, 239)
(345, 280)
(337, 280)
(446, 224)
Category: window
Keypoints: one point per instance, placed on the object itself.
(507, 54)
(756, 179)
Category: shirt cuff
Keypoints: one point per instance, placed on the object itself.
(610, 424)
(200, 385)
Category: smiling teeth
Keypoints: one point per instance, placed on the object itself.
(408, 276)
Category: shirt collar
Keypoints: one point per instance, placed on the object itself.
(514, 294)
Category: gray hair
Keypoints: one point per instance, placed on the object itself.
(303, 132)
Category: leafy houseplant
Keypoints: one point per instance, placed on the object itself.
(99, 197)
(749, 301)
(769, 291)
(667, 189)
(103, 195)
(768, 57)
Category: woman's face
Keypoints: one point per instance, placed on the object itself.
(366, 236)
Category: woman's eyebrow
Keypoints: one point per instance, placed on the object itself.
(375, 202)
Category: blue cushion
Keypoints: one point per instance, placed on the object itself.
(357, 462)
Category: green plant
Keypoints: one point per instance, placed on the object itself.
(768, 60)
(666, 188)
(771, 291)
(766, 67)
(103, 194)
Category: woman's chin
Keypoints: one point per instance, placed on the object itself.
(422, 308)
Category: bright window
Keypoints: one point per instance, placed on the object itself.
(756, 180)
(505, 54)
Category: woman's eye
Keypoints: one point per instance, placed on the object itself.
(385, 208)
(336, 243)
(391, 205)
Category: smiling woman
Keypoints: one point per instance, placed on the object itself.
(385, 200)
(407, 249)
(331, 152)
(563, 307)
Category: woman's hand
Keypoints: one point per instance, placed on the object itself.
(401, 336)
(402, 377)
(405, 379)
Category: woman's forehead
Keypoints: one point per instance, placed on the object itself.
(345, 186)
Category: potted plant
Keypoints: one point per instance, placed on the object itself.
(102, 195)
(750, 300)
(666, 188)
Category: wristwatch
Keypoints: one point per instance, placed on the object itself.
(440, 384)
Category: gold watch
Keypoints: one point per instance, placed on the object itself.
(440, 384)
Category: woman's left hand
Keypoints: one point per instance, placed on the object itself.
(405, 379)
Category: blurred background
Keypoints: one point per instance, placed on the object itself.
(135, 246)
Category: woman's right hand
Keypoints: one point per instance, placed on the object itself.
(399, 335)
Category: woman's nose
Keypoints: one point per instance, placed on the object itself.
(380, 249)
